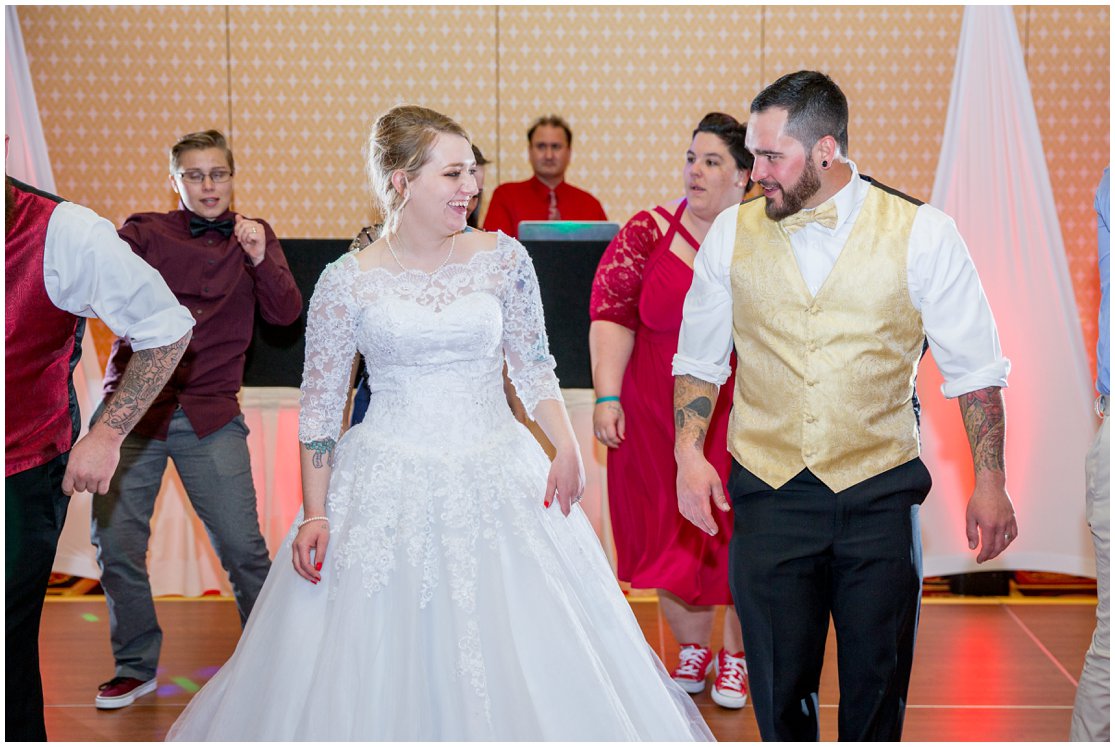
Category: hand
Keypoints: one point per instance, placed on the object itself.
(990, 521)
(566, 480)
(312, 537)
(608, 424)
(697, 481)
(251, 237)
(93, 461)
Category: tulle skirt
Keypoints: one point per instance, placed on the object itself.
(452, 606)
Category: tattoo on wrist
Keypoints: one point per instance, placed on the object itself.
(323, 452)
(985, 423)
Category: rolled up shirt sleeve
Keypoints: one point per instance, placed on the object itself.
(705, 342)
(958, 321)
(90, 271)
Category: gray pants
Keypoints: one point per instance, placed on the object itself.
(1091, 716)
(217, 475)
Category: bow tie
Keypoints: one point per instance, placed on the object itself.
(198, 226)
(825, 215)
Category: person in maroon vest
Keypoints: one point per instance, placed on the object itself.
(62, 264)
(222, 267)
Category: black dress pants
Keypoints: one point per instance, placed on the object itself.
(802, 553)
(35, 509)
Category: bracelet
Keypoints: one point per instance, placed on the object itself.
(314, 518)
(599, 400)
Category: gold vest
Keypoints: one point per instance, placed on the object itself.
(826, 381)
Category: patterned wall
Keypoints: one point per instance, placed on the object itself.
(307, 84)
(116, 87)
(895, 65)
(632, 81)
(1069, 63)
(297, 87)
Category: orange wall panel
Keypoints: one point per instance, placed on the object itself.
(297, 88)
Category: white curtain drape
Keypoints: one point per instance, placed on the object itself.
(992, 178)
(29, 162)
(27, 156)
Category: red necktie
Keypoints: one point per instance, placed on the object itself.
(554, 214)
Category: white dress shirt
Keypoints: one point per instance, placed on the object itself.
(90, 271)
(942, 281)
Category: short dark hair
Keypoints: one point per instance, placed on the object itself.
(201, 141)
(551, 120)
(480, 160)
(732, 133)
(815, 107)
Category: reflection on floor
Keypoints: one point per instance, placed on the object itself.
(986, 669)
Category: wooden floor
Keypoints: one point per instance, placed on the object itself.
(985, 670)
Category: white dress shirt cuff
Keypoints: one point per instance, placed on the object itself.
(993, 374)
(684, 366)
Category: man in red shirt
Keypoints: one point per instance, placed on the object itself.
(222, 267)
(546, 195)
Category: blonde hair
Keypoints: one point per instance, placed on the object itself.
(200, 141)
(401, 140)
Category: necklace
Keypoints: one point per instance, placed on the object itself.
(404, 268)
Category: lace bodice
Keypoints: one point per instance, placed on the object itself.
(434, 345)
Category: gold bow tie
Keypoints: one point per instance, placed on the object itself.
(825, 215)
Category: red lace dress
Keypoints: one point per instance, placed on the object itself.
(641, 284)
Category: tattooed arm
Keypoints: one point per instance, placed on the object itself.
(317, 468)
(989, 522)
(94, 458)
(698, 480)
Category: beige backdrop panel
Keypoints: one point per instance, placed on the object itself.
(894, 64)
(297, 88)
(116, 87)
(632, 81)
(1068, 59)
(308, 82)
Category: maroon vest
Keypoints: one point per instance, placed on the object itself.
(42, 344)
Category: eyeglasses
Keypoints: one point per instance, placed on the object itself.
(219, 176)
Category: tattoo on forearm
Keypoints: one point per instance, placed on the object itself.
(985, 422)
(323, 452)
(144, 378)
(691, 419)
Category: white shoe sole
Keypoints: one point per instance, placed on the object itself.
(728, 701)
(691, 687)
(123, 701)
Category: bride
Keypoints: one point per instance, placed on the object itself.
(445, 584)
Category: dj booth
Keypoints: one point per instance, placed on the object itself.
(565, 255)
(181, 561)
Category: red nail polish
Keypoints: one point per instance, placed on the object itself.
(317, 567)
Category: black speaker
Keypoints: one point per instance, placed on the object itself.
(276, 354)
(565, 271)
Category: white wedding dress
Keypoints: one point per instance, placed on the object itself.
(452, 605)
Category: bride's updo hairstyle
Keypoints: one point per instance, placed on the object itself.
(401, 140)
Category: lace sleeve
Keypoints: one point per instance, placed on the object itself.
(619, 276)
(330, 348)
(529, 363)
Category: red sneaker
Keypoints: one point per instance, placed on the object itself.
(730, 688)
(693, 664)
(122, 691)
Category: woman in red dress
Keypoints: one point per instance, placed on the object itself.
(637, 298)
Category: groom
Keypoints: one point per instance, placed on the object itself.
(830, 287)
